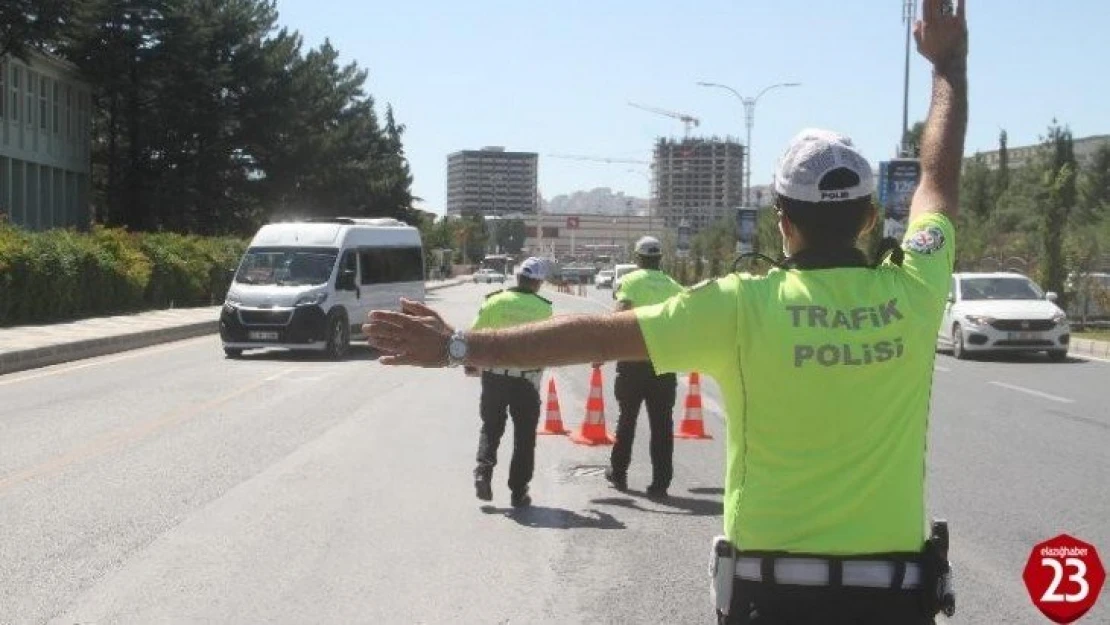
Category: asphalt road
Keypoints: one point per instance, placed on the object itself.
(169, 485)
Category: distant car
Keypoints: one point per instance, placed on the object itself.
(620, 271)
(488, 276)
(1002, 312)
(604, 279)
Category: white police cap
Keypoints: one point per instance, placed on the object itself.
(534, 268)
(649, 246)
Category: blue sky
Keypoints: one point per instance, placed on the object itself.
(555, 77)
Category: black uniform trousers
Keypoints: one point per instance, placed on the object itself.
(517, 396)
(637, 383)
(756, 603)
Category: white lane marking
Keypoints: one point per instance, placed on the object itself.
(1022, 389)
(940, 368)
(103, 360)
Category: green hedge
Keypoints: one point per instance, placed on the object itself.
(63, 274)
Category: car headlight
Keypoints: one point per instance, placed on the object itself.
(232, 300)
(1060, 318)
(312, 299)
(979, 320)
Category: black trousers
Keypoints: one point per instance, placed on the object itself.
(637, 383)
(755, 603)
(519, 398)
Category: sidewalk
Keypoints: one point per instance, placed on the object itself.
(1089, 347)
(30, 347)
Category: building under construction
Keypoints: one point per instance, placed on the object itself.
(697, 180)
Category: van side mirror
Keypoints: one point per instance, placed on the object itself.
(346, 280)
(1051, 296)
(230, 275)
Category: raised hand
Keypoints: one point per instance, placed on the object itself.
(941, 35)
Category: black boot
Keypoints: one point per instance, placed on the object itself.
(619, 481)
(483, 489)
(521, 498)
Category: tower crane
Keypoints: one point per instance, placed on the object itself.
(687, 120)
(597, 159)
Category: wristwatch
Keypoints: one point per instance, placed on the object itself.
(456, 349)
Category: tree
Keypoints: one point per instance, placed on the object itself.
(1002, 181)
(30, 25)
(911, 140)
(977, 188)
(509, 235)
(1057, 201)
(1094, 189)
(209, 119)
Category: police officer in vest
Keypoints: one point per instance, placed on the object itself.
(825, 365)
(514, 390)
(638, 383)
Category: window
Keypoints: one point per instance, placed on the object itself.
(30, 109)
(44, 84)
(69, 113)
(383, 265)
(57, 105)
(16, 78)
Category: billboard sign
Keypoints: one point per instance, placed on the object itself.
(898, 180)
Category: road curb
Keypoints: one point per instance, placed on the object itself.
(22, 360)
(443, 285)
(90, 348)
(1090, 347)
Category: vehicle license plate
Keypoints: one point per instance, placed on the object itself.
(262, 336)
(1023, 336)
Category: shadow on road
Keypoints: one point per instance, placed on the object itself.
(557, 518)
(683, 506)
(1022, 358)
(359, 351)
(715, 490)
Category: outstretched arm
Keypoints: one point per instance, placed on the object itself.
(418, 336)
(942, 39)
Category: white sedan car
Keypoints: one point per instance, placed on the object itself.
(488, 276)
(1002, 312)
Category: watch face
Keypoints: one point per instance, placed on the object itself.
(457, 349)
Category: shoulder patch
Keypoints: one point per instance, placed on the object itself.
(925, 241)
(498, 292)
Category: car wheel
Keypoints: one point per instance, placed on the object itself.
(339, 338)
(1058, 355)
(958, 349)
(233, 352)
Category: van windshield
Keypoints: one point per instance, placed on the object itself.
(286, 266)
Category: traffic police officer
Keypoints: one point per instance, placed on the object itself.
(638, 383)
(511, 389)
(825, 366)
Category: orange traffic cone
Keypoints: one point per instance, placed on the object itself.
(692, 425)
(593, 431)
(553, 423)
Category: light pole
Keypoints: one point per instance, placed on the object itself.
(749, 121)
(910, 12)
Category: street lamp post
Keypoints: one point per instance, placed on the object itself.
(749, 121)
(910, 12)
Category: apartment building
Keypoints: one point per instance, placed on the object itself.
(698, 181)
(492, 181)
